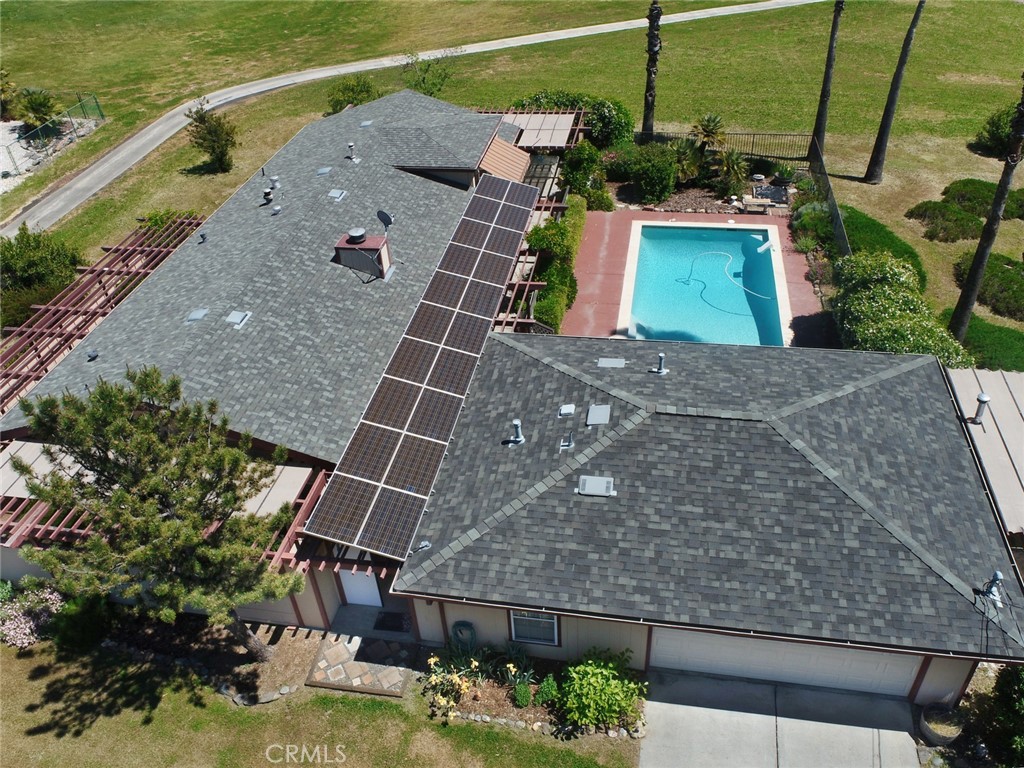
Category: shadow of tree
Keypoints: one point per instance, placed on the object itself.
(817, 330)
(201, 169)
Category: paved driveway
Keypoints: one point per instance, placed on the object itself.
(694, 720)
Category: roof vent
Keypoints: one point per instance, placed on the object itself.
(517, 434)
(197, 314)
(979, 414)
(566, 410)
(567, 444)
(661, 370)
(991, 589)
(598, 414)
(611, 362)
(275, 210)
(366, 123)
(91, 355)
(323, 171)
(591, 485)
(337, 195)
(363, 253)
(238, 318)
(275, 182)
(352, 152)
(268, 196)
(356, 235)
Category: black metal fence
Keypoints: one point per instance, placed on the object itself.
(817, 170)
(790, 148)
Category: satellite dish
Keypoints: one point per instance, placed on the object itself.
(385, 218)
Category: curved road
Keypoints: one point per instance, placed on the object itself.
(48, 209)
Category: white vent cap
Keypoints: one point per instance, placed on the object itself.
(591, 485)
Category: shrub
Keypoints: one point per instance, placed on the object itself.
(692, 161)
(601, 690)
(762, 165)
(813, 220)
(1002, 287)
(993, 140)
(8, 96)
(444, 687)
(945, 222)
(355, 90)
(598, 199)
(653, 173)
(37, 106)
(27, 613)
(879, 307)
(6, 591)
(582, 173)
(618, 160)
(82, 623)
(1003, 728)
(806, 192)
(609, 121)
(806, 243)
(995, 346)
(869, 235)
(975, 196)
(558, 242)
(732, 173)
(34, 267)
(428, 76)
(521, 695)
(158, 219)
(547, 691)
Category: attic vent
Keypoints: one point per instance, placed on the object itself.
(337, 194)
(566, 411)
(323, 171)
(596, 486)
(598, 414)
(356, 235)
(197, 314)
(238, 318)
(366, 123)
(611, 362)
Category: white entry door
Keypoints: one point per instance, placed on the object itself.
(801, 663)
(360, 588)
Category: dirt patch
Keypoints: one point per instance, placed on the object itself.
(688, 199)
(495, 701)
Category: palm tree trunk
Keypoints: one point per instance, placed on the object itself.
(972, 283)
(821, 120)
(259, 650)
(653, 51)
(877, 161)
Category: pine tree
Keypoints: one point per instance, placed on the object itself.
(213, 134)
(164, 490)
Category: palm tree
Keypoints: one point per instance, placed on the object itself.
(732, 172)
(710, 132)
(877, 161)
(972, 283)
(691, 160)
(821, 120)
(37, 106)
(653, 50)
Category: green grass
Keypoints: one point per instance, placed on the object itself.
(89, 711)
(994, 346)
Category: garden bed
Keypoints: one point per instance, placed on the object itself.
(687, 199)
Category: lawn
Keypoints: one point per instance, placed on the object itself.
(86, 711)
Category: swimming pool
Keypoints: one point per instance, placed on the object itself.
(721, 284)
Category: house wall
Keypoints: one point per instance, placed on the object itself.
(13, 566)
(328, 592)
(269, 612)
(944, 680)
(428, 620)
(575, 634)
(283, 612)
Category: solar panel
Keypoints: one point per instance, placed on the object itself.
(416, 463)
(494, 269)
(482, 209)
(452, 372)
(522, 195)
(376, 498)
(392, 403)
(512, 217)
(471, 233)
(342, 509)
(412, 360)
(482, 299)
(394, 520)
(492, 186)
(445, 289)
(504, 241)
(369, 452)
(468, 333)
(435, 415)
(459, 259)
(430, 323)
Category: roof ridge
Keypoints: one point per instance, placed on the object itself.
(846, 389)
(496, 518)
(895, 530)
(568, 370)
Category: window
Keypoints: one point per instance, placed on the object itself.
(530, 627)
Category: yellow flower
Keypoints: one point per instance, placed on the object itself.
(433, 660)
(474, 664)
(511, 668)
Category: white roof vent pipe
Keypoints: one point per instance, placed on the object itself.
(352, 152)
(517, 434)
(661, 370)
(275, 182)
(992, 589)
(979, 414)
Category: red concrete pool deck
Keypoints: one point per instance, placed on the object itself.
(601, 266)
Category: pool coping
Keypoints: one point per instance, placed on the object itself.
(778, 268)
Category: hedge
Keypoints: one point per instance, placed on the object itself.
(878, 307)
(558, 241)
(653, 173)
(945, 222)
(993, 140)
(1002, 287)
(975, 196)
(609, 121)
(582, 172)
(868, 234)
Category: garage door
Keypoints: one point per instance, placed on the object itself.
(886, 673)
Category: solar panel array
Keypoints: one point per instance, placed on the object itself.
(380, 486)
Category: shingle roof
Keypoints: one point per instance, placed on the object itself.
(302, 368)
(793, 492)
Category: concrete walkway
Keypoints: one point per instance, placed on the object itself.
(723, 723)
(48, 209)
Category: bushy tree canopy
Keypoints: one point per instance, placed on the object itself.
(165, 490)
(212, 133)
(355, 90)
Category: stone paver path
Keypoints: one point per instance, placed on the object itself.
(368, 665)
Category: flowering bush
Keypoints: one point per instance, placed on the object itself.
(444, 688)
(25, 614)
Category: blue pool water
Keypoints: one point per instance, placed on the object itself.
(704, 284)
